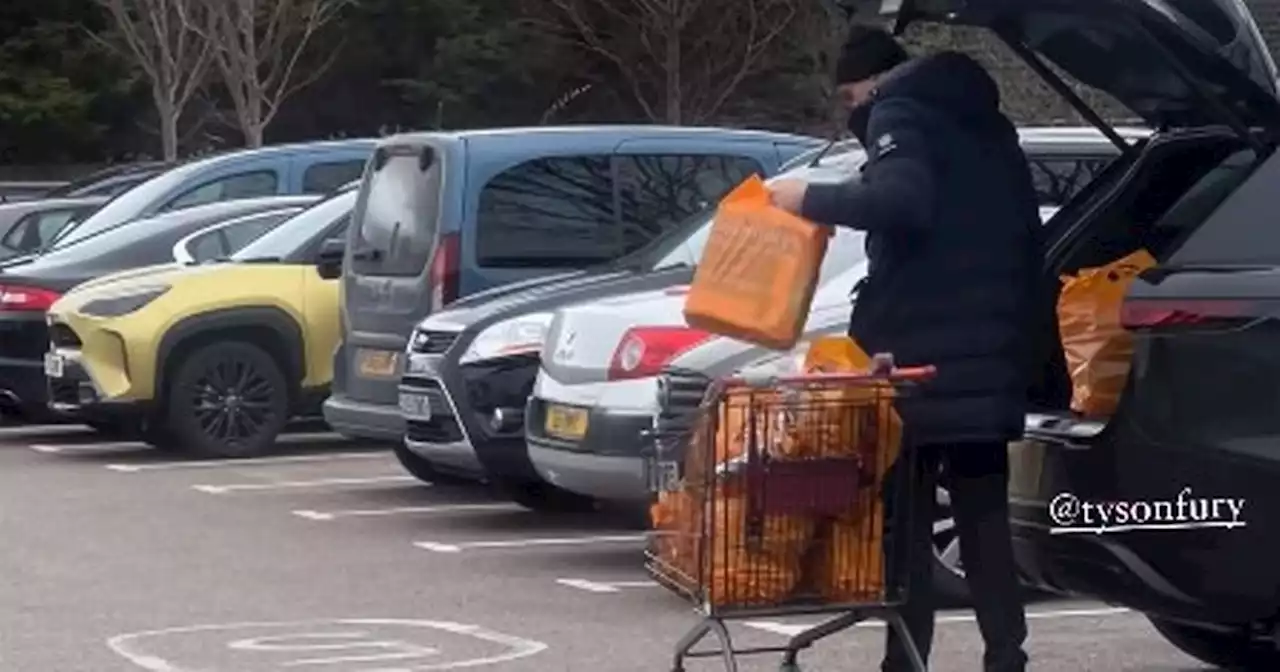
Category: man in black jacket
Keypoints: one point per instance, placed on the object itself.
(952, 221)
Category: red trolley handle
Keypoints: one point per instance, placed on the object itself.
(906, 374)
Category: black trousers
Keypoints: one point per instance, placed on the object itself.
(977, 476)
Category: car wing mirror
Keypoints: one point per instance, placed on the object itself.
(329, 260)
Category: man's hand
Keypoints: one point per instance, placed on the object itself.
(788, 194)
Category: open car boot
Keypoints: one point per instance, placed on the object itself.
(1196, 418)
(1197, 71)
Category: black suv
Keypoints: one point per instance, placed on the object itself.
(1198, 419)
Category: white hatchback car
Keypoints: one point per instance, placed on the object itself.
(600, 385)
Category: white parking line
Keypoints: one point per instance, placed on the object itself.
(444, 508)
(23, 430)
(793, 629)
(458, 547)
(96, 447)
(602, 587)
(281, 485)
(248, 462)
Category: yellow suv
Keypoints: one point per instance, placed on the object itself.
(214, 358)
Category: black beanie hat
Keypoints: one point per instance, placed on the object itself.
(867, 51)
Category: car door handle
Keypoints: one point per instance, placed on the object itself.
(370, 254)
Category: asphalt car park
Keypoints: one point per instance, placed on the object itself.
(325, 555)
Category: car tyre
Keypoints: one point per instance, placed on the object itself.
(227, 399)
(544, 497)
(422, 468)
(1226, 650)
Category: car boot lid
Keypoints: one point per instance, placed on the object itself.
(1175, 63)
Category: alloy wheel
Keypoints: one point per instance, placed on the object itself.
(946, 540)
(232, 400)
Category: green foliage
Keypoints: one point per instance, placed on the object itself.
(422, 64)
(57, 89)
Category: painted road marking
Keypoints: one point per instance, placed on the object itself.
(384, 644)
(96, 447)
(601, 587)
(284, 485)
(459, 546)
(21, 430)
(793, 629)
(444, 508)
(246, 462)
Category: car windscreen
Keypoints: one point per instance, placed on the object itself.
(394, 228)
(298, 231)
(124, 207)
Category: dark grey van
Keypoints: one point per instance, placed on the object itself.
(444, 215)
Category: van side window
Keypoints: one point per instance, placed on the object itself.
(322, 178)
(659, 191)
(549, 213)
(244, 185)
(1058, 179)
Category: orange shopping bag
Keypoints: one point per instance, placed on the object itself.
(849, 565)
(759, 271)
(1098, 349)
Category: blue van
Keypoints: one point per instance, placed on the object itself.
(444, 215)
(311, 168)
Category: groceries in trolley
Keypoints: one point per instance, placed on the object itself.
(778, 498)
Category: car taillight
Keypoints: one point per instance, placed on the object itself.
(17, 297)
(444, 271)
(1146, 314)
(643, 351)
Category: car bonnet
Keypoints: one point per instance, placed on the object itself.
(1175, 63)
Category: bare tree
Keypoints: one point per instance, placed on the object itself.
(258, 46)
(679, 60)
(172, 56)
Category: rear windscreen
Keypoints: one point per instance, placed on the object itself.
(396, 229)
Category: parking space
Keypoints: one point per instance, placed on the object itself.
(327, 556)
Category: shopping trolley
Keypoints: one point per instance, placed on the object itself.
(769, 502)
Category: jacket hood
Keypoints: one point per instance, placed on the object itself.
(950, 83)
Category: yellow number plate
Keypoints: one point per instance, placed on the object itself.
(566, 422)
(376, 363)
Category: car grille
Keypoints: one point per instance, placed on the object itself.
(64, 392)
(435, 430)
(434, 393)
(680, 393)
(433, 342)
(62, 336)
(442, 427)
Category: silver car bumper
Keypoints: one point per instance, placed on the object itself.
(607, 477)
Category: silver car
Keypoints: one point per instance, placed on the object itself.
(599, 387)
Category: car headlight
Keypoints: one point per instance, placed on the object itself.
(123, 304)
(521, 335)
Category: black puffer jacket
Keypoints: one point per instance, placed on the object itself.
(952, 223)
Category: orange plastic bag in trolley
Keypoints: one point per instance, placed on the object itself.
(1098, 350)
(849, 565)
(758, 273)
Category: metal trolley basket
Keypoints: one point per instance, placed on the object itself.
(771, 502)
